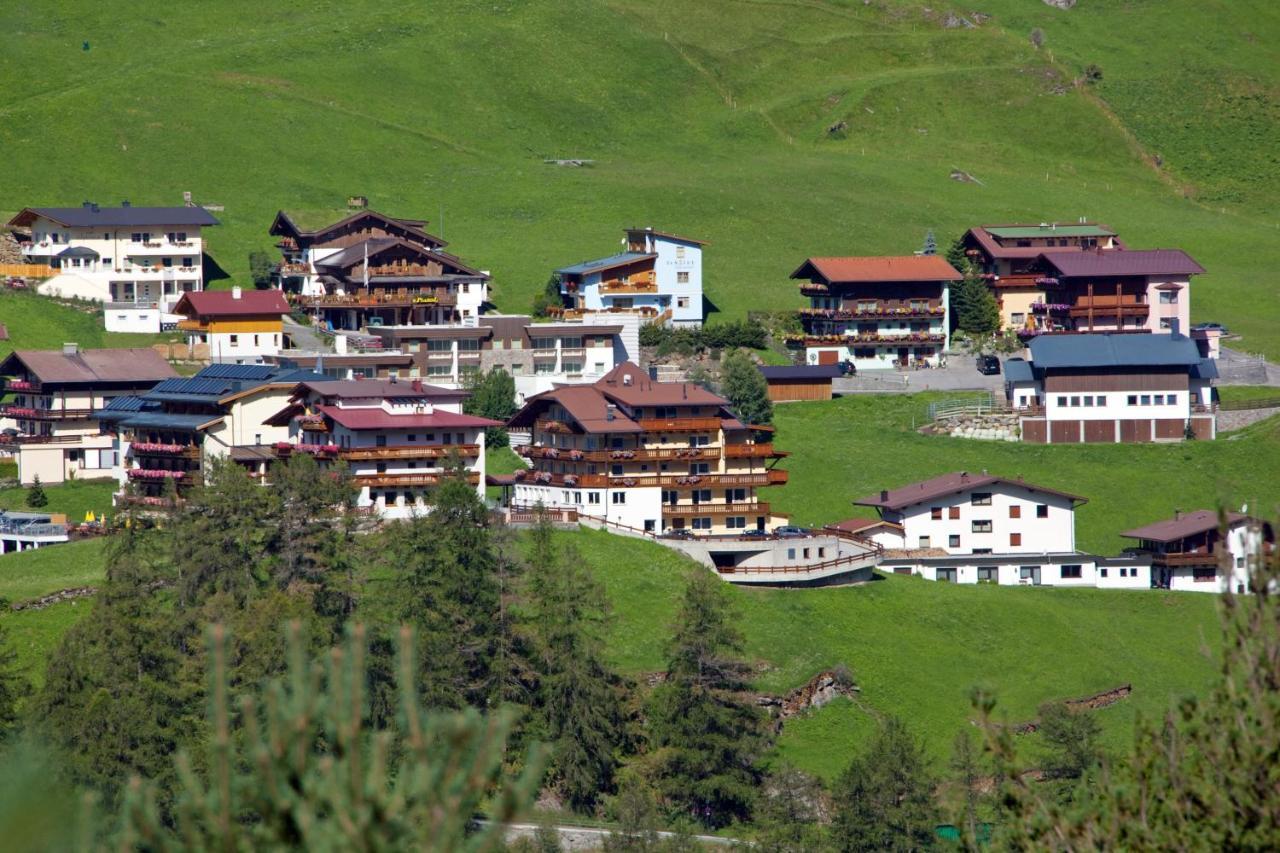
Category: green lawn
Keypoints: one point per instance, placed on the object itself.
(854, 446)
(1233, 393)
(917, 648)
(38, 323)
(773, 130)
(74, 498)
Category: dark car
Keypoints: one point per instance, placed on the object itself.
(678, 533)
(988, 365)
(1210, 326)
(755, 532)
(790, 531)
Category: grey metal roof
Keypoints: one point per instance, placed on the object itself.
(164, 420)
(77, 252)
(1018, 370)
(1106, 350)
(1206, 369)
(94, 215)
(610, 262)
(816, 371)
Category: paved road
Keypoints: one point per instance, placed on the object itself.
(304, 338)
(1239, 368)
(959, 375)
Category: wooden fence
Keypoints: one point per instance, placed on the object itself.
(27, 271)
(1247, 405)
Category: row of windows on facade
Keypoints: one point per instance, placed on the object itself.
(835, 303)
(1100, 400)
(143, 265)
(617, 442)
(628, 302)
(984, 499)
(448, 345)
(136, 237)
(344, 440)
(990, 574)
(953, 540)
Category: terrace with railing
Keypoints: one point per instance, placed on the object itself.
(29, 414)
(865, 339)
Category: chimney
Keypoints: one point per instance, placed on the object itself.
(884, 496)
(610, 411)
(71, 349)
(236, 292)
(626, 379)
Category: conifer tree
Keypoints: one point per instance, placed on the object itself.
(577, 702)
(447, 578)
(705, 736)
(13, 685)
(884, 800)
(113, 703)
(36, 497)
(976, 309)
(493, 395)
(746, 389)
(787, 814)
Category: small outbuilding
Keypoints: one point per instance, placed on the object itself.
(800, 382)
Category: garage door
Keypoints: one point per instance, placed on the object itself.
(1135, 430)
(1167, 428)
(1099, 431)
(1034, 431)
(1064, 432)
(828, 356)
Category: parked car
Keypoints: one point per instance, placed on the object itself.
(678, 533)
(790, 531)
(988, 365)
(1209, 326)
(755, 532)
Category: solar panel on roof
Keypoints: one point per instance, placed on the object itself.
(236, 371)
(191, 385)
(125, 404)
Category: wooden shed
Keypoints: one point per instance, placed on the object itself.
(800, 382)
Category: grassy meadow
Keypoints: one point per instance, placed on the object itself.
(773, 130)
(74, 498)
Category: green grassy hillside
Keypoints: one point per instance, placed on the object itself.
(854, 446)
(711, 119)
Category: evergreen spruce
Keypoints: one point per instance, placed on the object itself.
(788, 811)
(704, 733)
(930, 246)
(493, 395)
(976, 309)
(447, 579)
(746, 389)
(577, 701)
(36, 497)
(884, 800)
(13, 686)
(261, 269)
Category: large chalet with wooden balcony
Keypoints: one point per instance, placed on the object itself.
(1112, 388)
(171, 432)
(1008, 257)
(395, 439)
(136, 260)
(237, 326)
(370, 269)
(875, 312)
(652, 456)
(658, 277)
(1203, 552)
(54, 397)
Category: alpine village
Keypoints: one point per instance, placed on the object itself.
(819, 468)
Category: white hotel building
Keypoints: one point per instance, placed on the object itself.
(137, 261)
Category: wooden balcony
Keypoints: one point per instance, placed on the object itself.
(865, 339)
(380, 481)
(883, 311)
(1109, 307)
(166, 450)
(22, 386)
(641, 480)
(192, 326)
(409, 451)
(1205, 559)
(639, 454)
(753, 451)
(25, 413)
(40, 439)
(618, 286)
(691, 510)
(388, 299)
(678, 424)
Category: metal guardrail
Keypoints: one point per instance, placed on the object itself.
(957, 407)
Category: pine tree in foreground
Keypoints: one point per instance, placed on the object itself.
(1204, 777)
(300, 768)
(884, 800)
(704, 731)
(36, 497)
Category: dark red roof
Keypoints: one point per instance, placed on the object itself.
(225, 303)
(1182, 526)
(874, 269)
(949, 484)
(379, 418)
(1128, 262)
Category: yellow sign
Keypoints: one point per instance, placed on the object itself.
(425, 300)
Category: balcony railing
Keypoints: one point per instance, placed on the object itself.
(747, 508)
(378, 481)
(638, 454)
(435, 451)
(865, 339)
(753, 451)
(1191, 558)
(27, 386)
(40, 439)
(155, 448)
(29, 414)
(616, 286)
(678, 424)
(892, 312)
(397, 299)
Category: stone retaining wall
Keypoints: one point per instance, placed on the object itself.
(983, 427)
(1243, 418)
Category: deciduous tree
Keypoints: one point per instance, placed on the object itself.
(746, 389)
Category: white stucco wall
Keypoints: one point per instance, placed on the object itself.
(1053, 534)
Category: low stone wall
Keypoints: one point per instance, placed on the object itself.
(982, 427)
(1243, 418)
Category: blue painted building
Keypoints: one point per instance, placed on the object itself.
(659, 276)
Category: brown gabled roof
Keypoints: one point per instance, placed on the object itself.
(138, 365)
(1183, 525)
(949, 484)
(225, 303)
(1129, 262)
(584, 404)
(877, 269)
(365, 388)
(353, 256)
(284, 224)
(994, 249)
(629, 384)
